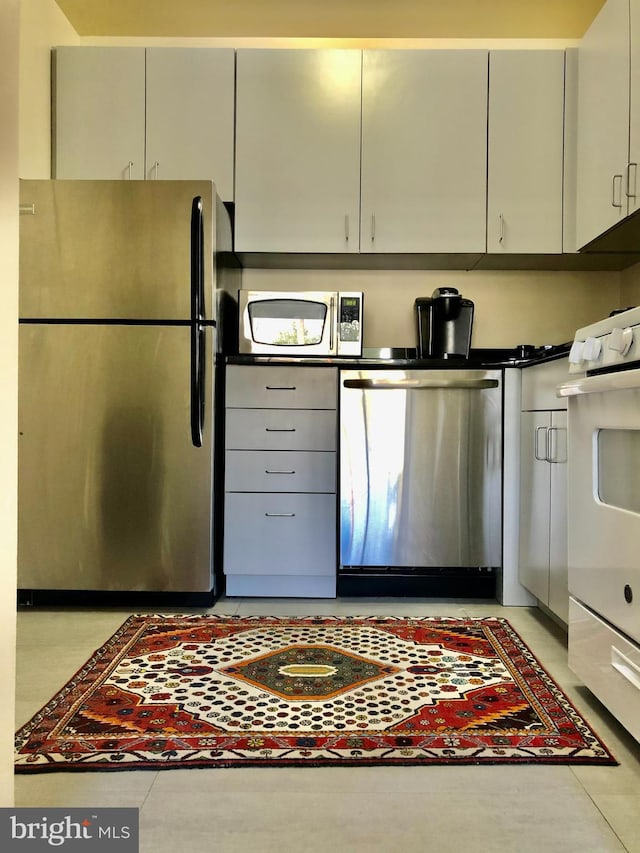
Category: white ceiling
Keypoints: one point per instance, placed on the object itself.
(567, 19)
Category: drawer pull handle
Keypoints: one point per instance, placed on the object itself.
(626, 667)
(280, 387)
(280, 429)
(280, 514)
(267, 471)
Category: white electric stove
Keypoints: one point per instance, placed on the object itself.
(603, 490)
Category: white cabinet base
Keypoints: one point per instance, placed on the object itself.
(281, 586)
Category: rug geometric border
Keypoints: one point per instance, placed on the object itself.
(187, 691)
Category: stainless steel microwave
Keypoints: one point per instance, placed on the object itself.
(300, 323)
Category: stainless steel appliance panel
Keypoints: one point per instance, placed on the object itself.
(113, 249)
(112, 493)
(421, 468)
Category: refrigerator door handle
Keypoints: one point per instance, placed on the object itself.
(197, 383)
(197, 260)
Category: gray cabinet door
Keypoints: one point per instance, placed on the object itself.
(190, 115)
(280, 534)
(526, 151)
(98, 105)
(535, 473)
(424, 150)
(297, 150)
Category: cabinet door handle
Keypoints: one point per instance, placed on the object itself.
(631, 166)
(553, 443)
(129, 168)
(267, 471)
(280, 514)
(346, 227)
(279, 387)
(155, 170)
(373, 227)
(540, 457)
(613, 191)
(501, 228)
(279, 429)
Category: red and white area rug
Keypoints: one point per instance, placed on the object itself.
(232, 691)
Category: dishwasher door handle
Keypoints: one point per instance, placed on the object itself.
(419, 384)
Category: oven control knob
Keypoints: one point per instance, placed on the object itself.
(591, 350)
(576, 353)
(620, 340)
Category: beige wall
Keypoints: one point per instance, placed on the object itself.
(510, 307)
(42, 25)
(9, 29)
(630, 287)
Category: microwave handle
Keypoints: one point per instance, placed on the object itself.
(332, 322)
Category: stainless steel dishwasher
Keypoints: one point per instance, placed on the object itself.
(420, 482)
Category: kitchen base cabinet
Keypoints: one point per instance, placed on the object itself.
(280, 507)
(543, 489)
(269, 536)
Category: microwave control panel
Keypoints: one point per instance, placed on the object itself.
(349, 321)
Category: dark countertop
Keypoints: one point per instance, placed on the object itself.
(405, 358)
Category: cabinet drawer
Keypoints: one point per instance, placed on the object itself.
(607, 663)
(539, 384)
(280, 471)
(280, 429)
(280, 534)
(250, 386)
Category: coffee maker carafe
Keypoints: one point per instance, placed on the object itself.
(443, 323)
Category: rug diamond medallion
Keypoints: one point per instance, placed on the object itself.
(223, 691)
(309, 672)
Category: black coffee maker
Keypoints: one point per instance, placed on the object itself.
(443, 322)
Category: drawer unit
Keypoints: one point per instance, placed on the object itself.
(607, 663)
(268, 387)
(280, 471)
(280, 511)
(284, 526)
(280, 429)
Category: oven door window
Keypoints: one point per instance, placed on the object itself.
(618, 457)
(287, 322)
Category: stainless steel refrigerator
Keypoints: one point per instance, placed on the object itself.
(120, 288)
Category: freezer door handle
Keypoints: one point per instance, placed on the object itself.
(197, 260)
(197, 383)
(419, 384)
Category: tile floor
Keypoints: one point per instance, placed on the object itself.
(513, 809)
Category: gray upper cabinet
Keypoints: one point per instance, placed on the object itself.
(98, 112)
(297, 150)
(190, 115)
(134, 113)
(604, 120)
(424, 151)
(525, 170)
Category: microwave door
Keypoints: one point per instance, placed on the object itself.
(293, 324)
